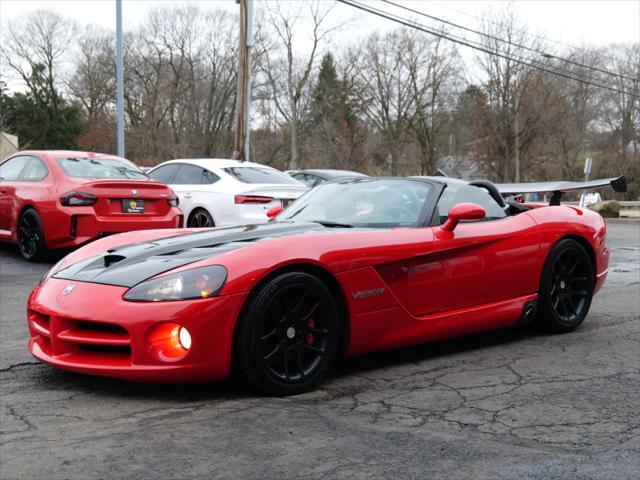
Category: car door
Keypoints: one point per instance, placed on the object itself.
(10, 171)
(188, 185)
(482, 262)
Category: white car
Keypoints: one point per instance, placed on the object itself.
(221, 193)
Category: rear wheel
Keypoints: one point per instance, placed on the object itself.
(200, 218)
(31, 236)
(287, 336)
(566, 287)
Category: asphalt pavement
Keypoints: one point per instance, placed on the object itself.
(507, 404)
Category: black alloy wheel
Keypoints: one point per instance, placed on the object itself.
(288, 335)
(200, 219)
(567, 286)
(31, 236)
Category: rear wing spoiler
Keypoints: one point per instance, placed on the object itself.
(619, 184)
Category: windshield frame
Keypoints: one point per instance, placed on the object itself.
(426, 217)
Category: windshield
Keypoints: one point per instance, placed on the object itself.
(259, 175)
(100, 168)
(363, 203)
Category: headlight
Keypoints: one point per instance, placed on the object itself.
(52, 271)
(203, 282)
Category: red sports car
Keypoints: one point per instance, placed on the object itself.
(56, 199)
(353, 266)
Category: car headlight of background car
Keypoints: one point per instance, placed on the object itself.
(202, 282)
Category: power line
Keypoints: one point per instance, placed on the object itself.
(524, 47)
(470, 43)
(467, 43)
(541, 37)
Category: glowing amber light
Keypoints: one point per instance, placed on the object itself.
(169, 342)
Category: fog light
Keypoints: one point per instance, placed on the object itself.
(185, 338)
(168, 342)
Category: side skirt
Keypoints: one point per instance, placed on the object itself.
(395, 327)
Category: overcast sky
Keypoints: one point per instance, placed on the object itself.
(560, 24)
(574, 22)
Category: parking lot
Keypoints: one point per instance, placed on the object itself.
(508, 404)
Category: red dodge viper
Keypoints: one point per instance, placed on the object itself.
(353, 266)
(56, 199)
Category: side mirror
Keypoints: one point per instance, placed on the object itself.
(463, 211)
(273, 212)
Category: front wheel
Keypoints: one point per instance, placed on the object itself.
(287, 336)
(31, 236)
(566, 287)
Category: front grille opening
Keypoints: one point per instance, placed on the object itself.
(112, 349)
(39, 320)
(101, 327)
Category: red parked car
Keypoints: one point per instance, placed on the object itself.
(353, 266)
(57, 199)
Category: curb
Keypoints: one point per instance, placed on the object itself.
(623, 221)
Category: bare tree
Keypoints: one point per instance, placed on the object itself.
(38, 42)
(622, 112)
(507, 80)
(289, 75)
(431, 64)
(180, 84)
(217, 85)
(93, 81)
(389, 101)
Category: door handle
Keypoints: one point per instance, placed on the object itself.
(187, 195)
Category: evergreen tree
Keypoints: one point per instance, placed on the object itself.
(327, 107)
(41, 117)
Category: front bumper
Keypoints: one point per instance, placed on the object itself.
(92, 330)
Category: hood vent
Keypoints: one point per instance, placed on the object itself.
(127, 265)
(111, 259)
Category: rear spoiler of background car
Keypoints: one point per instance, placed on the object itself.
(619, 184)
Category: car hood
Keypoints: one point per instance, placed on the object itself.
(128, 265)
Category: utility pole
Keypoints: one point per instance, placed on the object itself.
(587, 171)
(244, 81)
(119, 78)
(516, 140)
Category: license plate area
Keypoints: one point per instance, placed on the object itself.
(132, 206)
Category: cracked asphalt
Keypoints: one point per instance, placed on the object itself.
(507, 404)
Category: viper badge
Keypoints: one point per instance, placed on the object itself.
(368, 293)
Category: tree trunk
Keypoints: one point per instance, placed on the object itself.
(293, 161)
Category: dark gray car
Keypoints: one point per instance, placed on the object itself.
(313, 178)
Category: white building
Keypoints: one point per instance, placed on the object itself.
(8, 145)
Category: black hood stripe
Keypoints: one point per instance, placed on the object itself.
(131, 264)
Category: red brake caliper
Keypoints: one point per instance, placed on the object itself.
(310, 336)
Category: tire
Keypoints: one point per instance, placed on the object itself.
(31, 236)
(566, 287)
(200, 218)
(287, 336)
